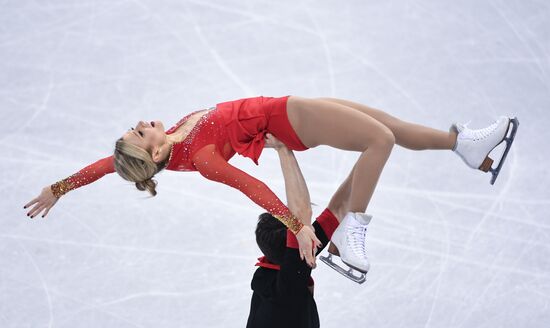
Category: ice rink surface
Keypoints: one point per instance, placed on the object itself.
(447, 248)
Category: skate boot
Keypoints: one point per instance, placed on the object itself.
(474, 146)
(348, 242)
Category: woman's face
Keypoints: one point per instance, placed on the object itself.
(146, 135)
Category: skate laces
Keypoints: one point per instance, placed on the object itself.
(481, 133)
(358, 234)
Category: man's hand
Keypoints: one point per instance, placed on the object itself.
(272, 142)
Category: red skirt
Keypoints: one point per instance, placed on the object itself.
(248, 120)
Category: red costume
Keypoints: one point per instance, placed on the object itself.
(234, 126)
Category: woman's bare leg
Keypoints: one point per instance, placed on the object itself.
(319, 122)
(339, 202)
(408, 135)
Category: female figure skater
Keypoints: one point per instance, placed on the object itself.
(205, 140)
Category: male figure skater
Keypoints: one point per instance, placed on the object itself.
(282, 285)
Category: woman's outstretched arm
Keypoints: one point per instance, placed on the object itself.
(50, 194)
(85, 176)
(210, 164)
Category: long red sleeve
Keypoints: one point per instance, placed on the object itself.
(87, 175)
(210, 164)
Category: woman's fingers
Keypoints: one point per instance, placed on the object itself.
(309, 261)
(29, 213)
(310, 254)
(37, 209)
(315, 243)
(47, 210)
(307, 254)
(42, 210)
(319, 244)
(307, 242)
(31, 202)
(36, 212)
(43, 202)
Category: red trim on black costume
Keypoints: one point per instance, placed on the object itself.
(328, 222)
(264, 263)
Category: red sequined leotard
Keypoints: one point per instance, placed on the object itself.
(205, 149)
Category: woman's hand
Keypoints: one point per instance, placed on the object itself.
(44, 201)
(272, 142)
(308, 244)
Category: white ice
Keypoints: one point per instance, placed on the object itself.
(447, 249)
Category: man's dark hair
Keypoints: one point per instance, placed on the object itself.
(271, 237)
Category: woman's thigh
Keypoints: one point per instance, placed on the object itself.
(320, 122)
(393, 123)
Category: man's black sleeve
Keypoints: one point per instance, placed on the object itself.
(294, 274)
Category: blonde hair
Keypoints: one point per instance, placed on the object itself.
(136, 164)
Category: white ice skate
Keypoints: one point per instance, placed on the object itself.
(348, 242)
(474, 146)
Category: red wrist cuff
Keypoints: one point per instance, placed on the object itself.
(291, 241)
(328, 222)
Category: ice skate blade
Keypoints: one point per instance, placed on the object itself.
(346, 273)
(509, 140)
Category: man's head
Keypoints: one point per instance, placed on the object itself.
(271, 237)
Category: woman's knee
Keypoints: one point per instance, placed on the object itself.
(379, 138)
(384, 138)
